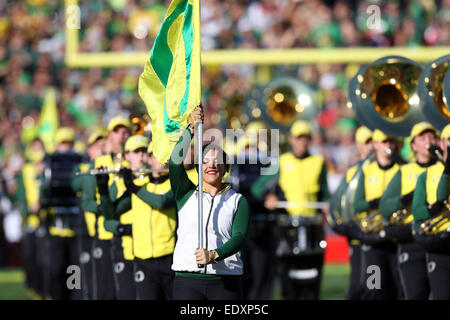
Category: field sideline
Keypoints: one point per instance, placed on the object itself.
(334, 283)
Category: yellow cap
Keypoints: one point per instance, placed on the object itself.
(34, 156)
(65, 134)
(380, 136)
(363, 134)
(421, 127)
(445, 134)
(136, 142)
(300, 127)
(150, 148)
(97, 133)
(119, 121)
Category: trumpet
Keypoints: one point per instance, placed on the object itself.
(436, 151)
(140, 123)
(372, 223)
(399, 216)
(432, 225)
(96, 172)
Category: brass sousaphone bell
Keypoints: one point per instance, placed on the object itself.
(446, 91)
(354, 98)
(434, 91)
(386, 95)
(283, 101)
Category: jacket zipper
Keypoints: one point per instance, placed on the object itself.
(206, 227)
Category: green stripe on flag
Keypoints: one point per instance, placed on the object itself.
(162, 67)
(188, 36)
(170, 125)
(161, 47)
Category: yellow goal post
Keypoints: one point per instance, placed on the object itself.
(76, 59)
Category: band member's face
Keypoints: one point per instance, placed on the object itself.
(37, 146)
(137, 158)
(213, 169)
(64, 147)
(96, 149)
(421, 142)
(119, 135)
(299, 144)
(381, 148)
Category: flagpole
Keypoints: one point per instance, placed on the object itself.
(197, 39)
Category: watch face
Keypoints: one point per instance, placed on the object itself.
(212, 256)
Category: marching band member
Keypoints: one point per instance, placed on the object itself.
(375, 250)
(259, 252)
(302, 178)
(363, 141)
(95, 145)
(398, 196)
(118, 132)
(62, 246)
(153, 228)
(115, 202)
(429, 202)
(28, 197)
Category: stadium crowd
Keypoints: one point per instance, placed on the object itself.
(32, 47)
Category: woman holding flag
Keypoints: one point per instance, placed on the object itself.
(214, 271)
(207, 267)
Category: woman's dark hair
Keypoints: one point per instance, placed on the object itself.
(212, 146)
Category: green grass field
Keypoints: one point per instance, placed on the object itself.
(335, 280)
(334, 283)
(11, 284)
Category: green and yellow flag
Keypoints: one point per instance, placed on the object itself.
(170, 84)
(48, 121)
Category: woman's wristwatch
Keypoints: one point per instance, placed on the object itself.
(212, 256)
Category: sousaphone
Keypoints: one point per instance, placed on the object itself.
(355, 99)
(434, 91)
(386, 95)
(281, 102)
